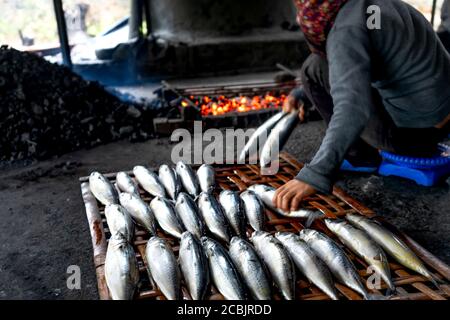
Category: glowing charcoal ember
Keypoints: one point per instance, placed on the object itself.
(220, 105)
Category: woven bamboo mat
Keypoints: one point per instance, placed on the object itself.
(410, 285)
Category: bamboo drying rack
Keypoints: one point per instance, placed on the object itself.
(410, 286)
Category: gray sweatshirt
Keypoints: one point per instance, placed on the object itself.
(404, 61)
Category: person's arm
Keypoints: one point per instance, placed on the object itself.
(349, 58)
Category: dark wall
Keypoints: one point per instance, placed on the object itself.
(219, 17)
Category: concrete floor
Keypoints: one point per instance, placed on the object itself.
(44, 228)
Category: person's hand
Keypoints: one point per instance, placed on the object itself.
(289, 196)
(292, 103)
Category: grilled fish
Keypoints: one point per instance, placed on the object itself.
(166, 216)
(254, 210)
(278, 261)
(308, 263)
(392, 244)
(126, 184)
(259, 138)
(223, 272)
(163, 267)
(149, 181)
(206, 178)
(121, 271)
(215, 219)
(119, 221)
(234, 211)
(102, 189)
(194, 266)
(267, 194)
(250, 268)
(278, 138)
(139, 211)
(188, 179)
(170, 181)
(361, 244)
(189, 215)
(335, 258)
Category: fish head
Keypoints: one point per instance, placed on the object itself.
(182, 198)
(308, 234)
(283, 236)
(335, 225)
(209, 245)
(125, 197)
(355, 218)
(258, 236)
(259, 189)
(187, 239)
(121, 175)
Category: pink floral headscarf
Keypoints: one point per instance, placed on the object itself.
(316, 18)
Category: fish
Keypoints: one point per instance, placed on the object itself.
(206, 178)
(391, 244)
(188, 178)
(166, 216)
(251, 268)
(214, 217)
(189, 215)
(308, 263)
(149, 181)
(259, 138)
(267, 194)
(223, 272)
(362, 245)
(234, 211)
(170, 181)
(336, 260)
(276, 258)
(121, 269)
(194, 266)
(278, 138)
(254, 210)
(126, 184)
(139, 211)
(102, 189)
(163, 268)
(119, 221)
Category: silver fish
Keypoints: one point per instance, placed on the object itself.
(121, 270)
(250, 268)
(254, 210)
(126, 184)
(188, 179)
(166, 216)
(119, 221)
(259, 138)
(206, 178)
(194, 266)
(139, 211)
(278, 261)
(234, 211)
(335, 258)
(189, 215)
(214, 217)
(361, 244)
(267, 194)
(223, 272)
(149, 181)
(170, 181)
(278, 138)
(308, 263)
(391, 243)
(102, 189)
(163, 268)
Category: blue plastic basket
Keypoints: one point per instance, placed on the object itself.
(424, 171)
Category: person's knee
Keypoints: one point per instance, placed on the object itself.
(315, 69)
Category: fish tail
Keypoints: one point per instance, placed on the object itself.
(435, 280)
(312, 217)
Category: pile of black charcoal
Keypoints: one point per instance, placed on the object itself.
(47, 110)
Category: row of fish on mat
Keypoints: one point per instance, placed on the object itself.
(249, 267)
